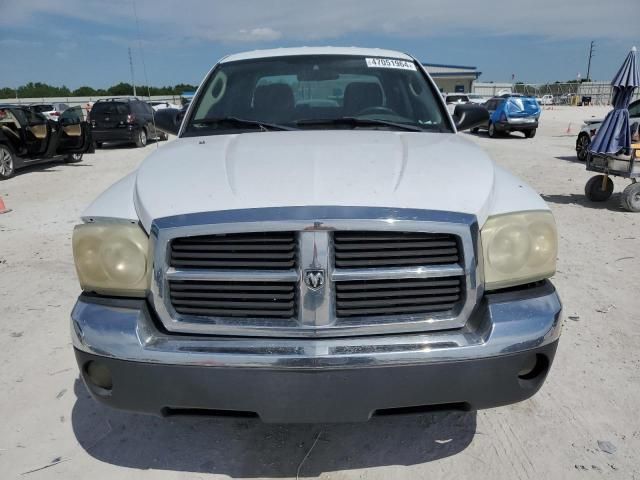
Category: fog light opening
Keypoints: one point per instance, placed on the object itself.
(534, 367)
(99, 376)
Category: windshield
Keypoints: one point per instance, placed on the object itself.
(42, 108)
(316, 92)
(522, 106)
(110, 108)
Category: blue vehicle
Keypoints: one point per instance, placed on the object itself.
(511, 113)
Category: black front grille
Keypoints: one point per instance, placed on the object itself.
(394, 249)
(398, 297)
(234, 299)
(246, 251)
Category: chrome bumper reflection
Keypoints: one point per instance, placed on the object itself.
(503, 324)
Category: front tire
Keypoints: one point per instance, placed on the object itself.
(141, 139)
(7, 162)
(582, 147)
(73, 158)
(475, 130)
(530, 133)
(491, 131)
(593, 189)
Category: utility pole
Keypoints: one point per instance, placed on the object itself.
(591, 54)
(133, 81)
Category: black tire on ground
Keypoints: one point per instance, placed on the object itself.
(582, 146)
(530, 133)
(491, 131)
(163, 136)
(475, 130)
(630, 197)
(73, 158)
(98, 144)
(593, 189)
(141, 138)
(7, 162)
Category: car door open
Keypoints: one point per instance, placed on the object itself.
(74, 133)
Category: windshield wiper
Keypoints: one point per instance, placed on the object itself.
(358, 122)
(241, 122)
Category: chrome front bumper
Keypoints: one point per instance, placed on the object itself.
(477, 365)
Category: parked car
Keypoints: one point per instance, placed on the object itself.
(28, 138)
(311, 262)
(51, 111)
(511, 113)
(158, 105)
(591, 126)
(454, 99)
(546, 100)
(123, 120)
(477, 98)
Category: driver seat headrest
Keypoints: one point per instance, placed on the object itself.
(361, 95)
(273, 101)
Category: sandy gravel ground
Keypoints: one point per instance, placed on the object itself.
(583, 424)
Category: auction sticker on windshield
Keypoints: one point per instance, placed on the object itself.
(390, 63)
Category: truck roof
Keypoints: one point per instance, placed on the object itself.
(287, 52)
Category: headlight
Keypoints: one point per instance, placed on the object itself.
(519, 248)
(112, 259)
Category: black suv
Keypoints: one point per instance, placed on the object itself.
(123, 120)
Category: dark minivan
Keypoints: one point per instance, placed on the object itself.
(123, 120)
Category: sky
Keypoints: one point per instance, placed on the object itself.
(85, 42)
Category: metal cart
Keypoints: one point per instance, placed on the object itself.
(600, 187)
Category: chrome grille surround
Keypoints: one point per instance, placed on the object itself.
(316, 315)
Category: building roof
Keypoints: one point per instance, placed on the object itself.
(443, 70)
(284, 52)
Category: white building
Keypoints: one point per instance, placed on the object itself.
(453, 78)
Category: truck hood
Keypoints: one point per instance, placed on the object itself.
(432, 171)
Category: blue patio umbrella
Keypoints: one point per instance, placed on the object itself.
(614, 134)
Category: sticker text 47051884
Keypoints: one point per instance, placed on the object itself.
(390, 63)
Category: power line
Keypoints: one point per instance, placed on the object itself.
(133, 81)
(144, 65)
(592, 52)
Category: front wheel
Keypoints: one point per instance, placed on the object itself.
(530, 133)
(595, 191)
(491, 130)
(475, 130)
(7, 162)
(141, 139)
(73, 158)
(582, 147)
(163, 137)
(631, 197)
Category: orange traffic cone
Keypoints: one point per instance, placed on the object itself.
(3, 208)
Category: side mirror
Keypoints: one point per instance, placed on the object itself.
(470, 115)
(169, 119)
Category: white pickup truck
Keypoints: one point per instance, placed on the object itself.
(317, 245)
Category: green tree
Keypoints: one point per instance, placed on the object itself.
(7, 92)
(121, 88)
(43, 90)
(84, 91)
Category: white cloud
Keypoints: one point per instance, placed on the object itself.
(18, 43)
(312, 20)
(263, 34)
